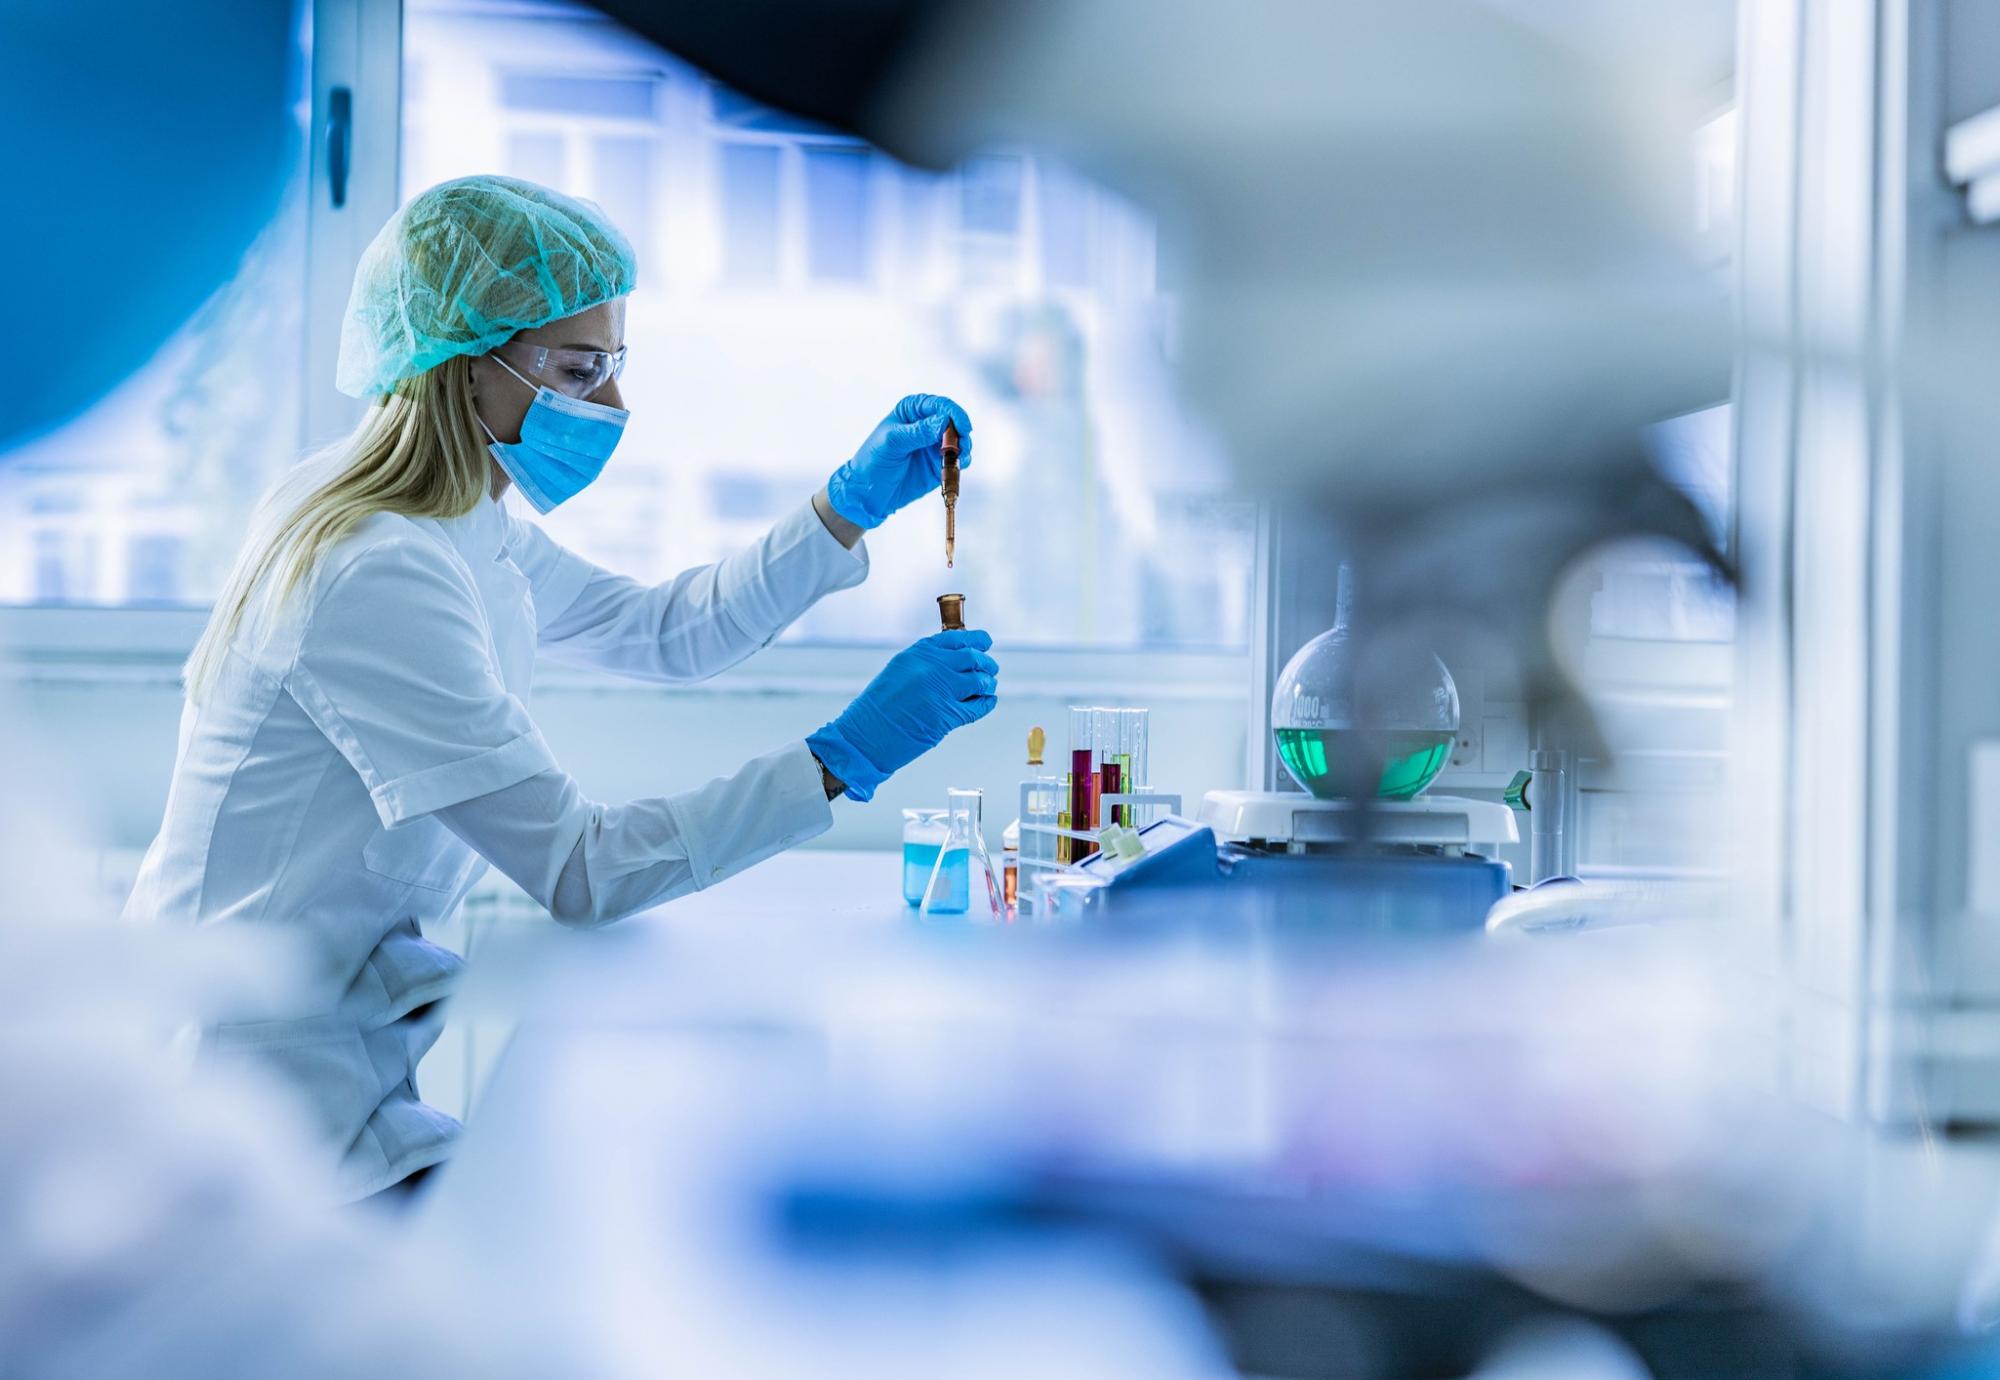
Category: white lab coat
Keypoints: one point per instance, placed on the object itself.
(367, 747)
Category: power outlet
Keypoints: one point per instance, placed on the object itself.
(1467, 750)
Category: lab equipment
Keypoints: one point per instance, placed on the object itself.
(1547, 793)
(901, 461)
(1107, 775)
(1107, 757)
(1354, 867)
(1082, 767)
(948, 449)
(577, 373)
(943, 682)
(565, 443)
(1333, 869)
(951, 612)
(963, 853)
(1010, 866)
(466, 265)
(1064, 820)
(1041, 820)
(1350, 720)
(923, 835)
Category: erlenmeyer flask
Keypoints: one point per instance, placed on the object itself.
(962, 857)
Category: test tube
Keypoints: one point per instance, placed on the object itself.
(1142, 720)
(1105, 739)
(1126, 814)
(1103, 748)
(1082, 776)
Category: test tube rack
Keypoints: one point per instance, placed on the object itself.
(1038, 824)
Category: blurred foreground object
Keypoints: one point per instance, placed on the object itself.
(158, 1218)
(147, 147)
(1371, 1159)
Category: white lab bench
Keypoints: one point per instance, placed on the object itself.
(845, 888)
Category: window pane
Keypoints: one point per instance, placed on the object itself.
(749, 212)
(1065, 227)
(623, 184)
(537, 157)
(740, 112)
(618, 97)
(145, 497)
(1092, 513)
(839, 224)
(989, 196)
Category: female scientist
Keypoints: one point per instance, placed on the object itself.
(356, 744)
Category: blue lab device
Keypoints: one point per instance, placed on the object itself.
(1412, 874)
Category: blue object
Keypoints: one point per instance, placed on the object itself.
(954, 895)
(1186, 877)
(464, 267)
(900, 461)
(918, 860)
(339, 142)
(564, 445)
(929, 688)
(158, 139)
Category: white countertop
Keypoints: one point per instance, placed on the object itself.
(862, 888)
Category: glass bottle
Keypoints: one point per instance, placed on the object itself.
(1356, 720)
(923, 835)
(962, 855)
(1010, 867)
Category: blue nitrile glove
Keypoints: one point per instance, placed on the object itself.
(900, 461)
(929, 688)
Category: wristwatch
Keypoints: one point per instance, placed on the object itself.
(833, 784)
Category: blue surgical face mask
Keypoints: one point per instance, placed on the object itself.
(564, 444)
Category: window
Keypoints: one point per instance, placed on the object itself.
(749, 212)
(538, 157)
(838, 219)
(625, 98)
(1065, 231)
(622, 176)
(794, 283)
(989, 220)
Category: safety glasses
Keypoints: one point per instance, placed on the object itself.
(574, 373)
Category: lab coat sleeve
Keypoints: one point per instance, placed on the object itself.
(394, 667)
(590, 864)
(695, 625)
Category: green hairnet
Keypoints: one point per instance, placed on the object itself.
(463, 267)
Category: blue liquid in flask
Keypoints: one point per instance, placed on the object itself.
(918, 859)
(954, 895)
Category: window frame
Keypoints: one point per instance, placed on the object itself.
(792, 210)
(358, 45)
(94, 644)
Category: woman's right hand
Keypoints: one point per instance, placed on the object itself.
(929, 688)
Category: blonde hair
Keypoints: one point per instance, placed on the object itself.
(419, 451)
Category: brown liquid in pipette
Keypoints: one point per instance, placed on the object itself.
(948, 444)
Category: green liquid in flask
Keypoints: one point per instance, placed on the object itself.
(1410, 760)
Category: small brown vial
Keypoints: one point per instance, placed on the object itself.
(951, 608)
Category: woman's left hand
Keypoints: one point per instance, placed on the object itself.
(900, 461)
